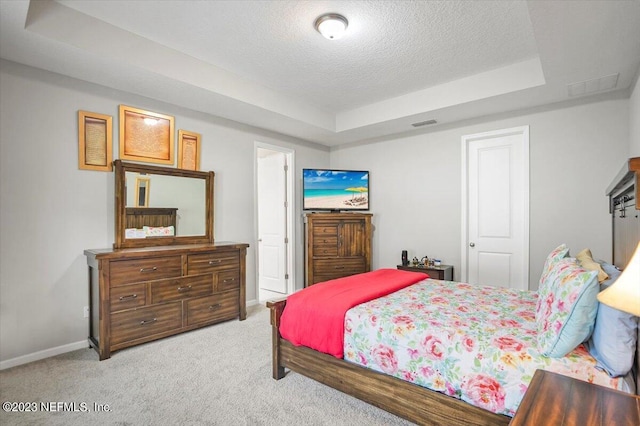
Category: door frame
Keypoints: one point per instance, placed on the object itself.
(290, 228)
(524, 131)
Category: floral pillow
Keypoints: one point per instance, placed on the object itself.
(158, 231)
(554, 257)
(567, 311)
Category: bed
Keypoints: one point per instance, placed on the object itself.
(145, 222)
(387, 383)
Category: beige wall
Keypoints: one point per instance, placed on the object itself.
(575, 152)
(51, 211)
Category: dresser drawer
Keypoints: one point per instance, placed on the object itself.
(135, 270)
(318, 278)
(353, 265)
(128, 296)
(217, 307)
(329, 269)
(143, 322)
(228, 280)
(181, 288)
(325, 229)
(325, 246)
(212, 262)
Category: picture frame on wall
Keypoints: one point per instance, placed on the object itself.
(146, 136)
(95, 141)
(189, 144)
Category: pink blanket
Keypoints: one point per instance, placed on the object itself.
(314, 316)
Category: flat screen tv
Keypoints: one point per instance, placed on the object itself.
(335, 190)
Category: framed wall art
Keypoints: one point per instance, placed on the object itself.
(143, 186)
(146, 136)
(95, 141)
(188, 150)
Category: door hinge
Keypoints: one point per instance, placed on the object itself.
(286, 276)
(286, 240)
(286, 168)
(286, 204)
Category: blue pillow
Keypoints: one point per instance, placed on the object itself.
(613, 342)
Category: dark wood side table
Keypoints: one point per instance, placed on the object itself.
(554, 399)
(442, 272)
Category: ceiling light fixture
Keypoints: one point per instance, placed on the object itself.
(331, 25)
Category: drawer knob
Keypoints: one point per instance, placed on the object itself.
(145, 322)
(230, 280)
(155, 268)
(215, 307)
(339, 267)
(215, 262)
(129, 297)
(187, 288)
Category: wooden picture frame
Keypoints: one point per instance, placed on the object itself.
(143, 186)
(189, 150)
(146, 136)
(95, 141)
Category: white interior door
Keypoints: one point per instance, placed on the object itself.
(496, 238)
(272, 220)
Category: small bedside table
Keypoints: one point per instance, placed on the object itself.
(554, 399)
(442, 272)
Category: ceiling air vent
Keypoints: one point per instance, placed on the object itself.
(424, 123)
(594, 85)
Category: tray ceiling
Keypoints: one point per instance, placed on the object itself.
(262, 63)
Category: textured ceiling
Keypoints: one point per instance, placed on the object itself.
(391, 48)
(262, 62)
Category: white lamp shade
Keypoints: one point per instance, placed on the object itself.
(332, 26)
(624, 293)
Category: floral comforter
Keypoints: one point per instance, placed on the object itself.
(474, 343)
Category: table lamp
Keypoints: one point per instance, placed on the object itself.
(624, 293)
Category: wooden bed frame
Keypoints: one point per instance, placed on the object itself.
(137, 217)
(412, 402)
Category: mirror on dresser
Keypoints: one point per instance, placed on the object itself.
(177, 206)
(151, 285)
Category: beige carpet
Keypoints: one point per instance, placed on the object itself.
(219, 375)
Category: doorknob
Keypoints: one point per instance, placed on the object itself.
(472, 244)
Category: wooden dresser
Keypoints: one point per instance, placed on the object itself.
(337, 245)
(143, 294)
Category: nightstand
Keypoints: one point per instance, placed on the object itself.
(442, 272)
(554, 399)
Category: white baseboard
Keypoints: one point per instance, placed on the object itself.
(37, 356)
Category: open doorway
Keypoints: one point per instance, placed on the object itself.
(274, 213)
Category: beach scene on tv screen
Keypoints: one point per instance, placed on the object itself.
(336, 189)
